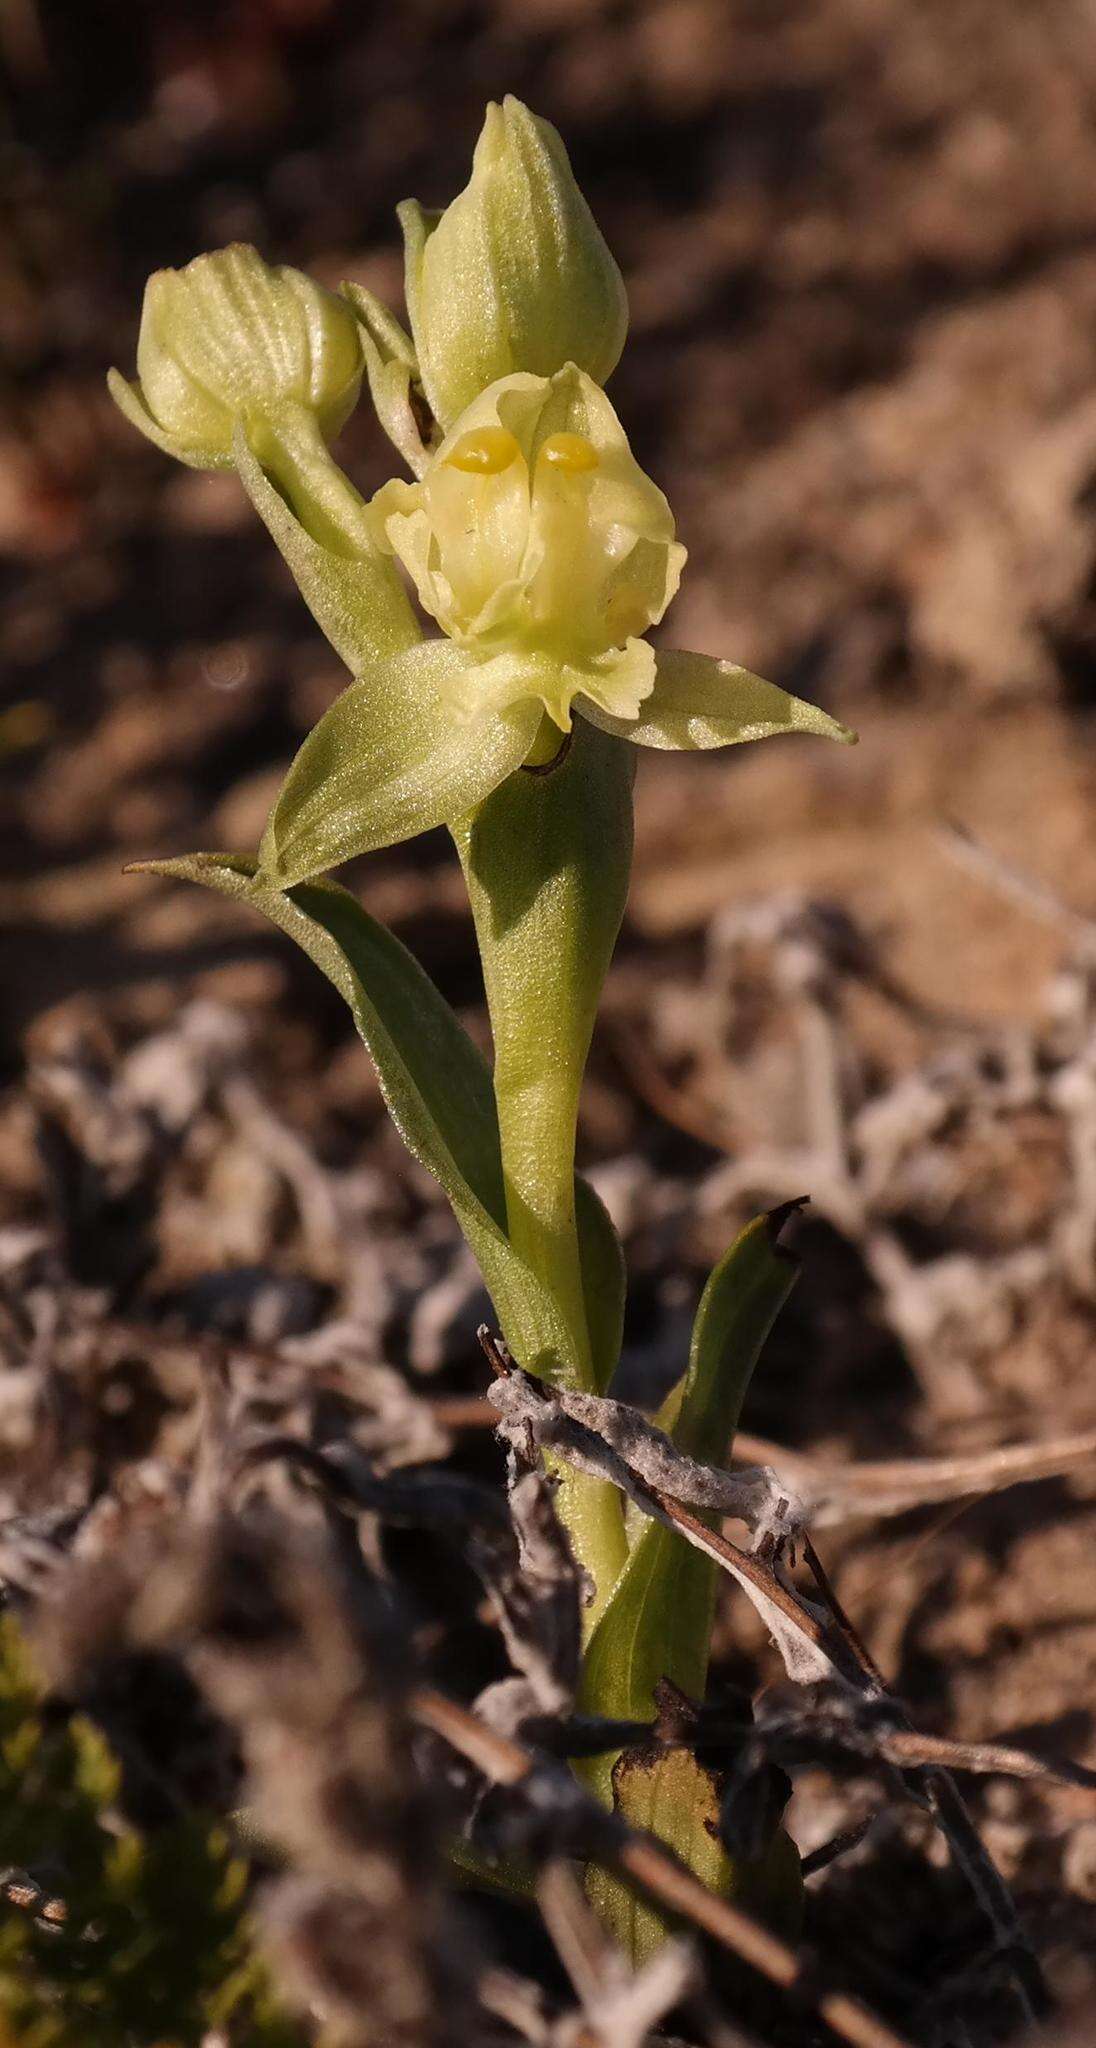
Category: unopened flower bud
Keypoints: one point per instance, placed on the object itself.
(232, 340)
(515, 274)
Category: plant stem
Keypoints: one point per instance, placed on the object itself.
(537, 1114)
(547, 861)
(537, 1119)
(292, 448)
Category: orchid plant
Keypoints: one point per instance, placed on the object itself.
(541, 555)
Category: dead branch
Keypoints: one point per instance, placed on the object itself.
(647, 1863)
(815, 1643)
(833, 1494)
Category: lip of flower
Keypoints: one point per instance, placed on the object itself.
(535, 529)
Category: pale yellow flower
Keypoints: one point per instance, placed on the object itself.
(535, 531)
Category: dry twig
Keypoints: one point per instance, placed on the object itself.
(816, 1643)
(645, 1862)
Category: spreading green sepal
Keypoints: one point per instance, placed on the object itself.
(699, 702)
(515, 274)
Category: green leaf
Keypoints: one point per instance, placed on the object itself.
(349, 586)
(604, 1281)
(438, 1090)
(503, 1879)
(435, 1081)
(740, 1303)
(700, 702)
(671, 1796)
(659, 1621)
(387, 761)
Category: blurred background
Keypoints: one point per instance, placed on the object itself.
(859, 239)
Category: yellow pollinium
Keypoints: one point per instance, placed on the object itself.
(569, 453)
(487, 451)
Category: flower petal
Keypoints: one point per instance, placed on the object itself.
(698, 701)
(355, 596)
(390, 760)
(480, 525)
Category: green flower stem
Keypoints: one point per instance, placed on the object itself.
(291, 446)
(547, 860)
